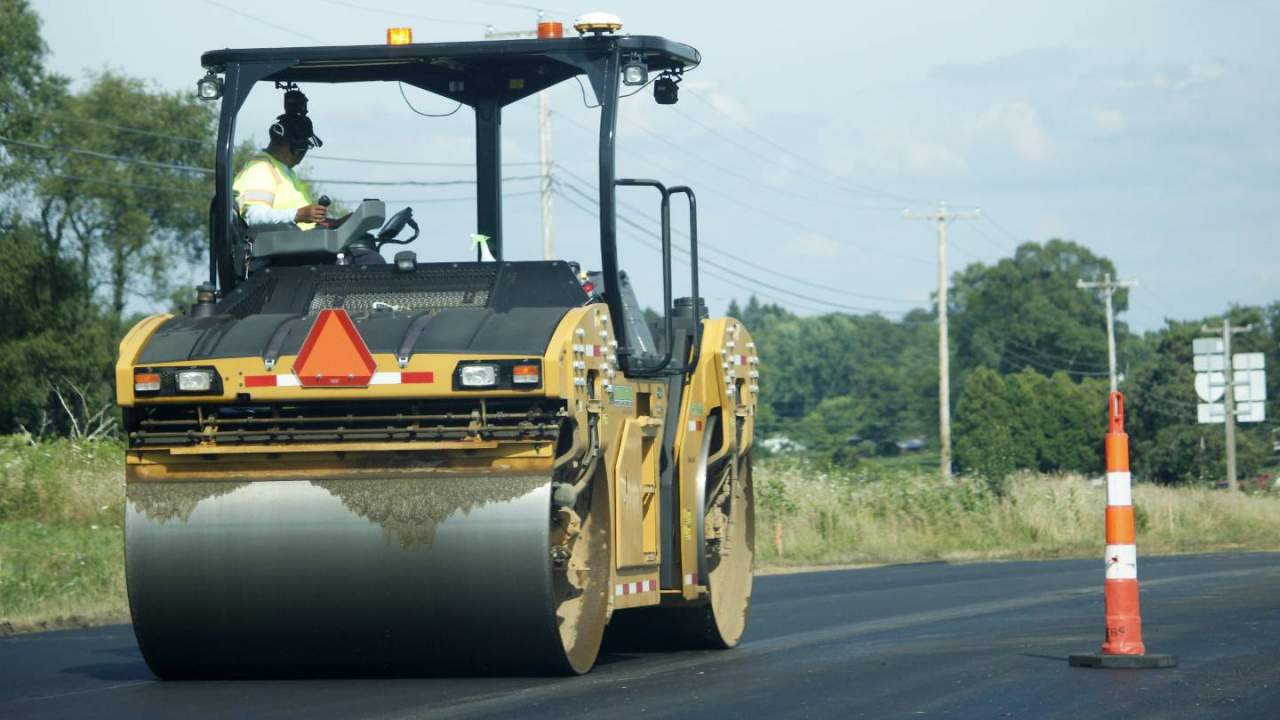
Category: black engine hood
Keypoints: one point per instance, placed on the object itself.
(510, 307)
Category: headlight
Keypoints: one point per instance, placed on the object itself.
(635, 73)
(478, 375)
(209, 87)
(195, 380)
(174, 381)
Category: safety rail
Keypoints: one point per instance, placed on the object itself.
(634, 366)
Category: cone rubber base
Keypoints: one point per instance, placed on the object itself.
(1132, 662)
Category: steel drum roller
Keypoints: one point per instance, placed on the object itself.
(351, 576)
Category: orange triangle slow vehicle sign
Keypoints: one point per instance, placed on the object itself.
(334, 354)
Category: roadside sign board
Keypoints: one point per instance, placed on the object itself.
(1207, 346)
(1249, 386)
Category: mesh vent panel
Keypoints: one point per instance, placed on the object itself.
(436, 288)
(399, 300)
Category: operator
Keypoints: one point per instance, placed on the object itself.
(267, 189)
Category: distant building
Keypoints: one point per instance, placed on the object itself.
(910, 445)
(781, 444)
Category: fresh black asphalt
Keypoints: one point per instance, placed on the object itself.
(934, 640)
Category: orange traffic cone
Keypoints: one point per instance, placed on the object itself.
(1123, 647)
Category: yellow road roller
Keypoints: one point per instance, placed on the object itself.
(340, 464)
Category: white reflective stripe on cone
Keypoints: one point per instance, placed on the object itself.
(1122, 562)
(1119, 490)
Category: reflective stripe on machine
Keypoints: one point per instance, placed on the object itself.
(635, 587)
(379, 378)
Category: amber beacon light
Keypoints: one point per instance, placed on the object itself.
(400, 36)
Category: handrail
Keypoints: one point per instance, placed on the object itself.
(693, 274)
(634, 367)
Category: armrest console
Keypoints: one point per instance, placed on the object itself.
(368, 217)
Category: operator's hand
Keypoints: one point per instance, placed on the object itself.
(309, 214)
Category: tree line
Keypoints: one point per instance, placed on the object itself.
(1029, 375)
(97, 211)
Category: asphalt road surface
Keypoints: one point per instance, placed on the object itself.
(933, 640)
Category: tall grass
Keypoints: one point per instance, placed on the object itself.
(61, 542)
(824, 517)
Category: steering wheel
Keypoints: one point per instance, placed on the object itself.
(387, 235)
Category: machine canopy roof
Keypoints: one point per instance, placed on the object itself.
(493, 70)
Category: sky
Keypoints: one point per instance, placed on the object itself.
(1143, 130)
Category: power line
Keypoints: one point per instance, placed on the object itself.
(1014, 236)
(104, 156)
(819, 166)
(756, 208)
(409, 163)
(268, 23)
(759, 283)
(1050, 357)
(755, 152)
(1001, 247)
(310, 156)
(122, 128)
(460, 198)
(638, 237)
(416, 183)
(209, 171)
(754, 182)
(703, 245)
(398, 13)
(138, 186)
(521, 6)
(1009, 353)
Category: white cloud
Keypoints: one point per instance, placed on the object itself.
(1201, 73)
(894, 155)
(817, 246)
(1017, 126)
(1106, 121)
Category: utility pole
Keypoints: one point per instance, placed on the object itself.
(1229, 399)
(1109, 287)
(544, 159)
(544, 139)
(941, 217)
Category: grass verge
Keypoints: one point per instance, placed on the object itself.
(61, 542)
(61, 510)
(809, 516)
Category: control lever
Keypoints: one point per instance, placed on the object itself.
(325, 202)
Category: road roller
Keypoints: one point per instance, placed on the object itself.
(342, 463)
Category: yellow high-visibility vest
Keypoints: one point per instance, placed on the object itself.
(270, 183)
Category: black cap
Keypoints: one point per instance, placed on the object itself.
(295, 130)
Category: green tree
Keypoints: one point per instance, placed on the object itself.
(48, 343)
(1026, 311)
(1029, 421)
(985, 440)
(27, 91)
(128, 223)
